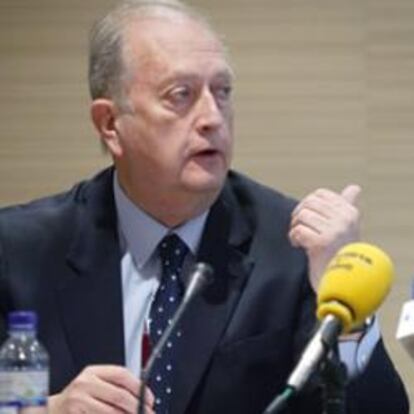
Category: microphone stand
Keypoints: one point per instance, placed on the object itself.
(281, 401)
(201, 276)
(315, 353)
(333, 376)
(146, 372)
(334, 379)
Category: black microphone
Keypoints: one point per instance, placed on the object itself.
(201, 276)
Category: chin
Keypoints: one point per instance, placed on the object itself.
(206, 183)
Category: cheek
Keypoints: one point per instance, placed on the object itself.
(230, 121)
(230, 133)
(228, 118)
(159, 142)
(165, 155)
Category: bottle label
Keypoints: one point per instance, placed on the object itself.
(24, 388)
(9, 408)
(13, 409)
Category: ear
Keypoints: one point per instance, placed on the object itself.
(103, 114)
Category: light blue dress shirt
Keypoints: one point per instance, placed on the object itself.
(140, 235)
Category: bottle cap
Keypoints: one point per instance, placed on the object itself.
(22, 320)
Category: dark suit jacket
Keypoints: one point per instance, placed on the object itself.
(60, 256)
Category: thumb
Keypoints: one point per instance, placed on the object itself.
(351, 193)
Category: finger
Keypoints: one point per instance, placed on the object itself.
(321, 207)
(123, 379)
(351, 193)
(116, 375)
(330, 204)
(114, 385)
(93, 406)
(311, 219)
(76, 400)
(302, 236)
(113, 395)
(316, 198)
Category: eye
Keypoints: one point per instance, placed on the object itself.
(223, 92)
(180, 95)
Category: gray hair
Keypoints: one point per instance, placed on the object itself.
(107, 69)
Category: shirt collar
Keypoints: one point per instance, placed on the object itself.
(140, 233)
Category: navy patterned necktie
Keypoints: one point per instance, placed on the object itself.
(172, 251)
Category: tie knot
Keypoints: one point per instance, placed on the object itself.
(172, 252)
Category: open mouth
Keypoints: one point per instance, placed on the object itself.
(207, 157)
(207, 153)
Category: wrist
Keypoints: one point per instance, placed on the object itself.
(358, 331)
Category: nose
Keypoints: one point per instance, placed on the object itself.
(210, 116)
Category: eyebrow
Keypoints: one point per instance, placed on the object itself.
(183, 75)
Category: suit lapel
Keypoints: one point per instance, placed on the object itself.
(90, 297)
(207, 317)
(90, 294)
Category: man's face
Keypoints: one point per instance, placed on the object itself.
(178, 137)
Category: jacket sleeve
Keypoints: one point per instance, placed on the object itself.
(379, 388)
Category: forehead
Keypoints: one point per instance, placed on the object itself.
(156, 46)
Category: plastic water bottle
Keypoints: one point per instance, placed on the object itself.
(24, 368)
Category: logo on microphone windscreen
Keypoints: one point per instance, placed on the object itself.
(355, 283)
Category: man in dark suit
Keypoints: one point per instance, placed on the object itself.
(88, 261)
